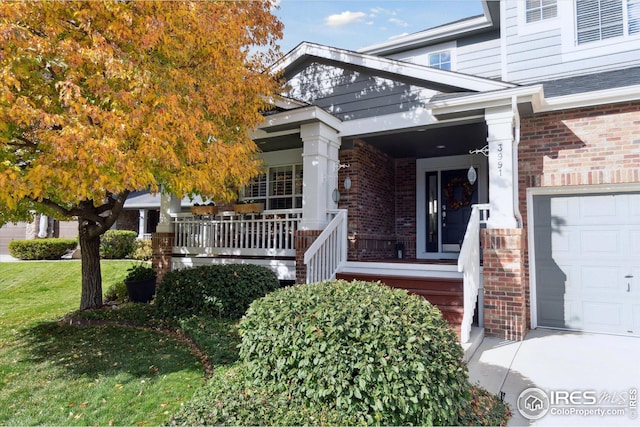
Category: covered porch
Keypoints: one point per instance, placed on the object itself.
(393, 193)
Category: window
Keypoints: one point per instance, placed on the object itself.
(604, 19)
(599, 20)
(279, 188)
(539, 10)
(633, 13)
(441, 60)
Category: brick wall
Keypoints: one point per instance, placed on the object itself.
(505, 312)
(370, 202)
(405, 220)
(586, 146)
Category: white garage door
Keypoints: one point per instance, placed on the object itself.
(587, 262)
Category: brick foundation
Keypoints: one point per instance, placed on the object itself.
(505, 309)
(304, 239)
(162, 244)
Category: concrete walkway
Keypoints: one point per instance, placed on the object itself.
(584, 377)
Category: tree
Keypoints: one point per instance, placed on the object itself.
(98, 99)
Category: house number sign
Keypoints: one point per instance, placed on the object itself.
(500, 159)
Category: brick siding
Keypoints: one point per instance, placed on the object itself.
(586, 146)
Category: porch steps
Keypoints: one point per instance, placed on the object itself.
(444, 292)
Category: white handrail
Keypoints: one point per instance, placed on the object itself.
(469, 265)
(267, 233)
(329, 251)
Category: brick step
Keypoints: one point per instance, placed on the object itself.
(444, 293)
(408, 282)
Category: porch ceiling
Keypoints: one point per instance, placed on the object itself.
(432, 142)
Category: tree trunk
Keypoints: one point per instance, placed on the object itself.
(91, 275)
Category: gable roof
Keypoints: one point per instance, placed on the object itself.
(446, 81)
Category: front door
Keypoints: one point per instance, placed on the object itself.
(450, 196)
(445, 198)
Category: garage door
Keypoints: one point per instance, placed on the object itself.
(587, 262)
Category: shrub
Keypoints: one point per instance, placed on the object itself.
(41, 248)
(214, 290)
(117, 244)
(116, 293)
(231, 398)
(375, 354)
(142, 250)
(485, 409)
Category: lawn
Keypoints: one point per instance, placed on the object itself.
(54, 373)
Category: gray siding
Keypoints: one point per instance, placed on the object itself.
(480, 59)
(540, 56)
(352, 95)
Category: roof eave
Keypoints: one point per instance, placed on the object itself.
(438, 34)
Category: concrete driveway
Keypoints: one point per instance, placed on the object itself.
(577, 378)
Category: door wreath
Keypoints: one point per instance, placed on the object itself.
(458, 185)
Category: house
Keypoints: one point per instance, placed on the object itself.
(491, 165)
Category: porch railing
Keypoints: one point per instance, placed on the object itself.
(270, 233)
(329, 251)
(469, 265)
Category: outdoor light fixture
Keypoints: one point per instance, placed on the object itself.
(472, 175)
(347, 183)
(335, 195)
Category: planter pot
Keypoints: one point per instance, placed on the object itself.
(247, 208)
(204, 210)
(141, 290)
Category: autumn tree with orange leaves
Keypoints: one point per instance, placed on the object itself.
(99, 99)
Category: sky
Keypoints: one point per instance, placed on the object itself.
(356, 24)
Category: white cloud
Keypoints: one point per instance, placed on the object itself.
(344, 18)
(398, 22)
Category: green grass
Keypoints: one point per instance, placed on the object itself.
(54, 373)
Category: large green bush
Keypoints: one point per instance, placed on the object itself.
(41, 248)
(214, 290)
(117, 244)
(375, 354)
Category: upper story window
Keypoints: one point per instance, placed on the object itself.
(441, 60)
(539, 10)
(605, 19)
(633, 14)
(279, 188)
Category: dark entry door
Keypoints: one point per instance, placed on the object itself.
(449, 199)
(458, 194)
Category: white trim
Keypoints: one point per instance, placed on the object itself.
(552, 191)
(535, 95)
(455, 29)
(288, 120)
(421, 55)
(282, 158)
(589, 99)
(440, 164)
(284, 269)
(402, 269)
(572, 51)
(544, 25)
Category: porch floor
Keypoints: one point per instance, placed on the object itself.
(413, 261)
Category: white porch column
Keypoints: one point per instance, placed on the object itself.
(320, 163)
(500, 121)
(142, 222)
(169, 204)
